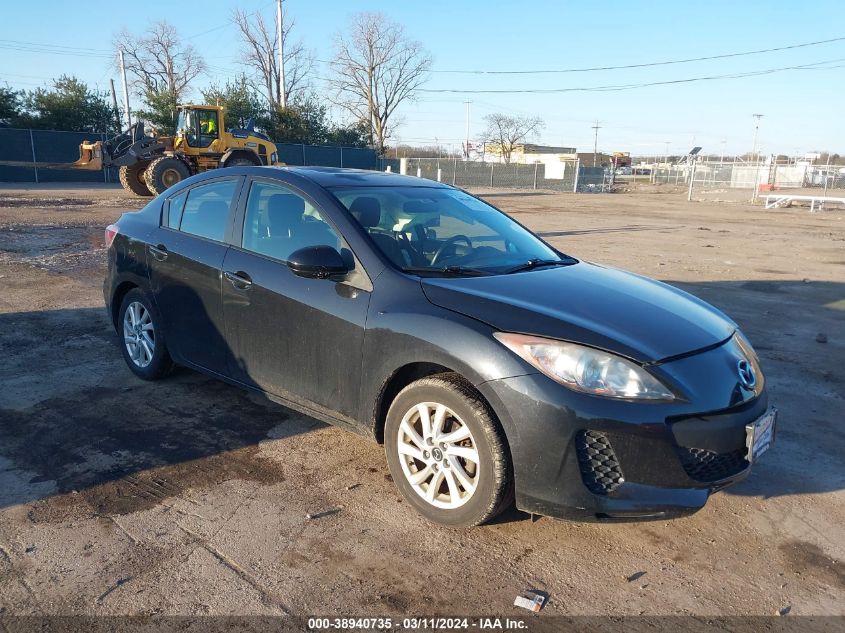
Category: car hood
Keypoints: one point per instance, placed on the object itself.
(602, 307)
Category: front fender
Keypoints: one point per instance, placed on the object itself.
(409, 329)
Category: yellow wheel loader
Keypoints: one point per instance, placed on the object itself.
(150, 164)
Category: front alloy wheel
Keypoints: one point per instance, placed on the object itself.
(447, 453)
(438, 455)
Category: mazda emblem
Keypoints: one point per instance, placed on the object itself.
(747, 378)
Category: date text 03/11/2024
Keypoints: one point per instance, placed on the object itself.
(418, 624)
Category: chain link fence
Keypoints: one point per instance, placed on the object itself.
(46, 156)
(463, 173)
(299, 154)
(741, 182)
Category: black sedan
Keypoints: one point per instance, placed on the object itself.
(490, 365)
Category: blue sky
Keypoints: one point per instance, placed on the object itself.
(802, 108)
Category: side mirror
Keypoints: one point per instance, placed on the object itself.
(317, 262)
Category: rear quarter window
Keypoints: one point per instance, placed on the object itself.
(174, 210)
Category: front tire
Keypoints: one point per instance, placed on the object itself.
(141, 339)
(446, 452)
(165, 172)
(132, 179)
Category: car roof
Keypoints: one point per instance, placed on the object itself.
(343, 177)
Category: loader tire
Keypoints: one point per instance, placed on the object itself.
(240, 162)
(165, 172)
(132, 179)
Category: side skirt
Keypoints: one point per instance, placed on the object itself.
(290, 401)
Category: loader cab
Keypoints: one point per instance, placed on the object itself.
(199, 127)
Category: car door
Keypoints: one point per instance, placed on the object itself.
(291, 336)
(186, 272)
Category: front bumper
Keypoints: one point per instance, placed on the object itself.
(586, 458)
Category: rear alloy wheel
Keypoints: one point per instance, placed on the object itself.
(142, 340)
(132, 179)
(165, 172)
(446, 452)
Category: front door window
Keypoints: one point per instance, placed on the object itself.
(279, 222)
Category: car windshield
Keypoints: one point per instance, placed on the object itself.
(441, 230)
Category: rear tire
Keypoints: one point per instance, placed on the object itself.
(132, 179)
(165, 172)
(141, 338)
(447, 453)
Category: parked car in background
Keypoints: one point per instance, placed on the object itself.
(491, 366)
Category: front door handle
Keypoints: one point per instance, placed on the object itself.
(159, 252)
(239, 280)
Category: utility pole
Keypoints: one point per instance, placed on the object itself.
(596, 127)
(114, 105)
(466, 132)
(281, 35)
(666, 152)
(722, 155)
(271, 97)
(756, 129)
(125, 89)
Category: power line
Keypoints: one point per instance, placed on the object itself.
(619, 87)
(229, 23)
(53, 51)
(643, 65)
(55, 46)
(626, 66)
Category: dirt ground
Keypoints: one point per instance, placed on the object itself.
(190, 497)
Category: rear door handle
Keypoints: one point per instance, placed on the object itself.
(159, 252)
(239, 280)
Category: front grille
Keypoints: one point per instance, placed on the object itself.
(599, 466)
(704, 465)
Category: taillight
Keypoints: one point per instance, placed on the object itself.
(111, 233)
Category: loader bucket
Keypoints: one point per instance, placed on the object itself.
(90, 156)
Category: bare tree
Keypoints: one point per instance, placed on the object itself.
(506, 132)
(375, 68)
(259, 53)
(159, 61)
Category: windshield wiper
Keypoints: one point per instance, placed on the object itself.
(449, 270)
(538, 263)
(463, 270)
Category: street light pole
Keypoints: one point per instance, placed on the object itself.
(466, 131)
(596, 127)
(756, 130)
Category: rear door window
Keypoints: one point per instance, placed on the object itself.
(206, 212)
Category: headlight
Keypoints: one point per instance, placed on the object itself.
(586, 369)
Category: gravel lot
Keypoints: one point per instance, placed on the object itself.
(190, 497)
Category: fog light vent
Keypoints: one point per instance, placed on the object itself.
(704, 465)
(600, 469)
